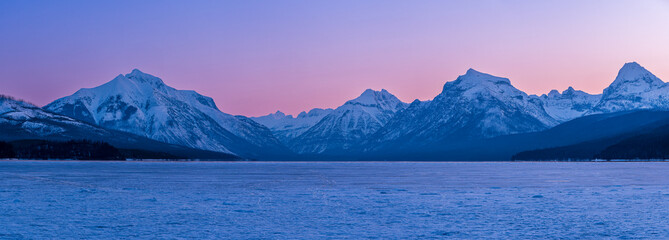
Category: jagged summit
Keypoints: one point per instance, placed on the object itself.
(279, 114)
(570, 90)
(315, 112)
(372, 97)
(136, 71)
(366, 96)
(475, 77)
(140, 77)
(475, 84)
(135, 82)
(368, 92)
(633, 78)
(379, 99)
(552, 93)
(634, 88)
(569, 104)
(634, 71)
(631, 70)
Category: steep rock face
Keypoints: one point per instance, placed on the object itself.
(142, 104)
(475, 105)
(286, 127)
(569, 104)
(634, 88)
(349, 124)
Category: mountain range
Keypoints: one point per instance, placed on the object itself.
(475, 111)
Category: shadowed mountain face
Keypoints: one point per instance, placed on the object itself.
(349, 124)
(476, 105)
(649, 144)
(142, 104)
(602, 129)
(643, 134)
(23, 121)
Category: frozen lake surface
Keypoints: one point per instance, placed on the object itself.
(322, 200)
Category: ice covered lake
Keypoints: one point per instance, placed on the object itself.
(333, 200)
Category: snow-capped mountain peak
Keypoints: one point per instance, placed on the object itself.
(143, 78)
(475, 84)
(634, 71)
(633, 78)
(570, 91)
(378, 99)
(137, 72)
(475, 105)
(634, 88)
(143, 104)
(368, 96)
(473, 77)
(135, 81)
(350, 123)
(553, 93)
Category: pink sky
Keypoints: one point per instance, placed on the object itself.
(256, 57)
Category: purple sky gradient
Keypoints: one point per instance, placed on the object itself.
(256, 57)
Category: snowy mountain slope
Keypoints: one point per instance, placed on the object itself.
(34, 121)
(634, 88)
(23, 121)
(569, 104)
(475, 105)
(349, 124)
(142, 104)
(286, 127)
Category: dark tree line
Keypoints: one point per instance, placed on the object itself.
(73, 149)
(651, 144)
(6, 149)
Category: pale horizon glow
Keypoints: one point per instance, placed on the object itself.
(257, 57)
